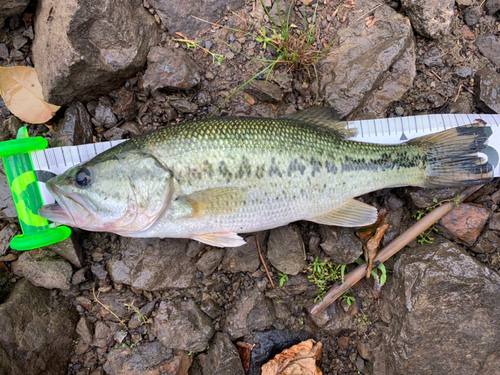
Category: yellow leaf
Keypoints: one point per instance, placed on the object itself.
(299, 359)
(249, 99)
(22, 94)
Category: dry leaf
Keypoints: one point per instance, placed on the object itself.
(245, 352)
(358, 11)
(349, 4)
(367, 232)
(181, 35)
(22, 94)
(370, 21)
(306, 2)
(300, 359)
(272, 106)
(249, 99)
(372, 246)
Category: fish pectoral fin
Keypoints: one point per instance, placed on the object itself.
(352, 214)
(216, 201)
(221, 239)
(326, 118)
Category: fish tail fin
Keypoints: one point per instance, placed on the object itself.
(452, 156)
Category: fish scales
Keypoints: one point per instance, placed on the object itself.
(237, 175)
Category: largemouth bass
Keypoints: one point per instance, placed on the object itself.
(211, 179)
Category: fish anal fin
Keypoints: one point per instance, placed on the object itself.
(221, 239)
(352, 214)
(326, 118)
(216, 201)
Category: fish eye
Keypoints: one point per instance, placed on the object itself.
(82, 177)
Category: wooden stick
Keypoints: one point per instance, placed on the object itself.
(397, 244)
(264, 262)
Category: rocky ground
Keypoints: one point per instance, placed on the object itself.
(99, 303)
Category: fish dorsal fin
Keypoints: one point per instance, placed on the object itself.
(326, 118)
(352, 214)
(222, 239)
(215, 201)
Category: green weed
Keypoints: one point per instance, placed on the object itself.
(283, 278)
(323, 274)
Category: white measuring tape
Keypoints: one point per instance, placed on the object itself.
(54, 161)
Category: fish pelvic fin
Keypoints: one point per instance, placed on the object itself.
(222, 239)
(352, 214)
(452, 156)
(326, 118)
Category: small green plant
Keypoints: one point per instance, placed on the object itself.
(75, 342)
(363, 319)
(196, 44)
(347, 298)
(133, 345)
(322, 274)
(302, 320)
(283, 278)
(190, 352)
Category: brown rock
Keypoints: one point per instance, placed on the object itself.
(466, 222)
(343, 342)
(487, 243)
(495, 221)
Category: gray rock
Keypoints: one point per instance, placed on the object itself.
(124, 106)
(74, 129)
(145, 312)
(441, 308)
(7, 208)
(148, 358)
(495, 221)
(492, 6)
(472, 15)
(251, 311)
(81, 276)
(423, 198)
(285, 250)
(104, 115)
(94, 47)
(243, 258)
(10, 127)
(210, 307)
(114, 134)
(36, 332)
(84, 329)
(19, 41)
(429, 18)
(171, 69)
(141, 263)
(184, 106)
(222, 357)
(486, 92)
(6, 235)
(176, 15)
(131, 128)
(46, 269)
(462, 4)
(182, 326)
(464, 72)
(264, 91)
(489, 45)
(69, 249)
(4, 52)
(487, 243)
(11, 8)
(350, 75)
(340, 244)
(209, 261)
(103, 334)
(119, 303)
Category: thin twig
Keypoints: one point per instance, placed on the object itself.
(264, 263)
(107, 308)
(458, 93)
(397, 244)
(438, 77)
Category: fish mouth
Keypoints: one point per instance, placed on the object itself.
(69, 209)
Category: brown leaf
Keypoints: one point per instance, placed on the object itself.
(299, 359)
(273, 106)
(366, 233)
(181, 35)
(372, 245)
(249, 99)
(306, 2)
(22, 94)
(358, 11)
(245, 351)
(370, 21)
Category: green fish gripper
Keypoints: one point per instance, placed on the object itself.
(26, 193)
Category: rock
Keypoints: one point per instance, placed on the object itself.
(251, 311)
(150, 358)
(184, 106)
(243, 258)
(489, 45)
(94, 47)
(35, 332)
(137, 320)
(11, 8)
(131, 128)
(74, 129)
(265, 91)
(124, 104)
(222, 357)
(492, 6)
(210, 307)
(99, 271)
(209, 261)
(7, 208)
(44, 268)
(119, 303)
(104, 115)
(4, 52)
(298, 284)
(141, 263)
(176, 15)
(495, 221)
(69, 249)
(171, 69)
(394, 83)
(350, 75)
(114, 134)
(462, 4)
(6, 235)
(487, 243)
(103, 334)
(472, 15)
(80, 276)
(465, 222)
(84, 329)
(285, 250)
(340, 244)
(429, 18)
(423, 198)
(269, 343)
(442, 307)
(486, 84)
(182, 325)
